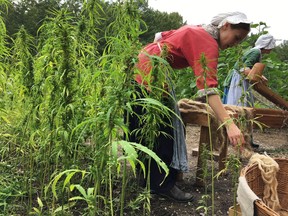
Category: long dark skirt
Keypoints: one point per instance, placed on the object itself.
(163, 147)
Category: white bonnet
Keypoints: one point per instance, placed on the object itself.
(230, 17)
(265, 41)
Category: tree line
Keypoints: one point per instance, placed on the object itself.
(30, 15)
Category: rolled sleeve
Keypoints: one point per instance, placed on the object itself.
(202, 94)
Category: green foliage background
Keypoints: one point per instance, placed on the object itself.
(65, 75)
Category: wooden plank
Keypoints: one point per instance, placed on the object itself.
(272, 118)
(265, 91)
(268, 111)
(195, 118)
(261, 86)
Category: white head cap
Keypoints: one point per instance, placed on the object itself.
(265, 41)
(230, 17)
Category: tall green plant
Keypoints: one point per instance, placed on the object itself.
(54, 96)
(11, 109)
(117, 64)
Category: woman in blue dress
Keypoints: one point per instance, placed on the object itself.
(237, 89)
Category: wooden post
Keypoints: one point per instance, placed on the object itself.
(260, 86)
(203, 144)
(223, 154)
(265, 91)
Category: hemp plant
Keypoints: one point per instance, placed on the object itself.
(205, 156)
(54, 96)
(233, 163)
(10, 180)
(206, 73)
(64, 115)
(107, 96)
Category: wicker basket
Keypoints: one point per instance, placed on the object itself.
(253, 177)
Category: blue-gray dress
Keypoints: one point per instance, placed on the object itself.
(237, 89)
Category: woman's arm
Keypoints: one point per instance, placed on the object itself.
(234, 134)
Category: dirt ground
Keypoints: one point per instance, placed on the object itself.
(272, 141)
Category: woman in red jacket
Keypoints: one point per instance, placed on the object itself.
(185, 47)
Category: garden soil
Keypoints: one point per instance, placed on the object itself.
(272, 141)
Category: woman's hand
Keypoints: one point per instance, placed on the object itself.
(235, 136)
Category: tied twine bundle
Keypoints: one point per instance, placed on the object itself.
(188, 106)
(269, 168)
